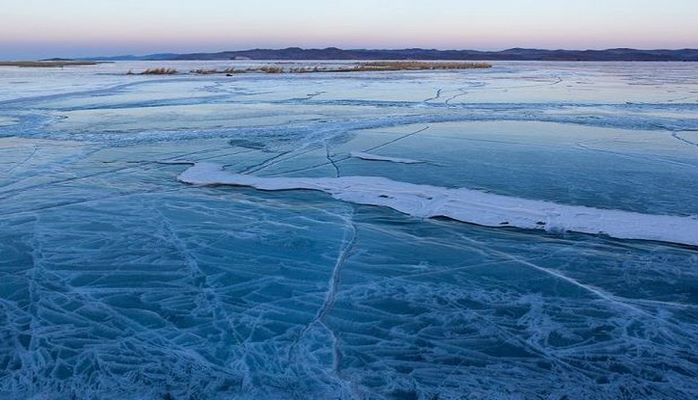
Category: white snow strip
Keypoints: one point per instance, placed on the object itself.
(467, 205)
(373, 157)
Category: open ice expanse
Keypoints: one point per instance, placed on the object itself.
(528, 231)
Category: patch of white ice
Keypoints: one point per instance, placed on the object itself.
(7, 121)
(373, 157)
(467, 205)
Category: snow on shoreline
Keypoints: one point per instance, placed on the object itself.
(373, 157)
(467, 205)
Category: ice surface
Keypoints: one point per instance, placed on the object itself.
(117, 281)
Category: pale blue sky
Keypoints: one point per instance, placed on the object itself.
(47, 28)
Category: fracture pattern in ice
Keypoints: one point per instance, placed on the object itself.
(119, 282)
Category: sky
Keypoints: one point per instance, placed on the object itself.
(72, 28)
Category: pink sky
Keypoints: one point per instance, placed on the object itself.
(44, 28)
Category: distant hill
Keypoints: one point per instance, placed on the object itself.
(516, 54)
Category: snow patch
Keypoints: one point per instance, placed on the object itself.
(467, 205)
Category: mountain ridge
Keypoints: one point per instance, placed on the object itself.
(334, 53)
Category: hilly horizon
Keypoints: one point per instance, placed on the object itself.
(334, 53)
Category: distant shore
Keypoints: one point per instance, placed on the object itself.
(48, 63)
(358, 67)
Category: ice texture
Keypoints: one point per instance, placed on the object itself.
(120, 282)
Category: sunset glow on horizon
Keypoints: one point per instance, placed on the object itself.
(73, 28)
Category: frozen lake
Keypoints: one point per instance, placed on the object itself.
(528, 231)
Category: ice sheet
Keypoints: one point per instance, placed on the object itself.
(117, 281)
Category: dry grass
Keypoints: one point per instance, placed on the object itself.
(417, 65)
(46, 64)
(394, 66)
(202, 71)
(159, 71)
(360, 67)
(306, 70)
(269, 69)
(233, 70)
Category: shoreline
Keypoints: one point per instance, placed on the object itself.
(50, 63)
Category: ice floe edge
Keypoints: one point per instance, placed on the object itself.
(466, 205)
